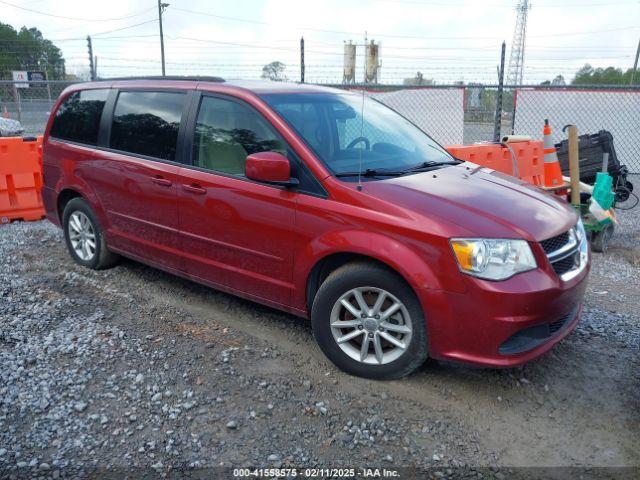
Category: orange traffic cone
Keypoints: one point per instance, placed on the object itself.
(552, 171)
(5, 112)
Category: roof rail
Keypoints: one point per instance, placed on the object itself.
(168, 77)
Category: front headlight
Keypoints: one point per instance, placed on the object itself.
(493, 259)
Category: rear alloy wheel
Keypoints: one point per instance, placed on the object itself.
(84, 237)
(369, 323)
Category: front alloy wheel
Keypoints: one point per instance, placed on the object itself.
(368, 321)
(371, 325)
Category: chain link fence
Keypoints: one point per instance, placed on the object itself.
(452, 114)
(30, 103)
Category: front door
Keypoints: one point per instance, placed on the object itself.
(235, 232)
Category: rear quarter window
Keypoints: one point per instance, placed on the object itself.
(78, 117)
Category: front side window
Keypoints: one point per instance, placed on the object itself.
(228, 131)
(147, 123)
(78, 118)
(352, 133)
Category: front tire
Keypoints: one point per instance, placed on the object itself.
(84, 238)
(369, 322)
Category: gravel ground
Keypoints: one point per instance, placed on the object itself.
(132, 370)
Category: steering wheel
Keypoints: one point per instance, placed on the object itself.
(355, 141)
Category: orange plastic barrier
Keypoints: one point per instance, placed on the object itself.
(528, 155)
(20, 179)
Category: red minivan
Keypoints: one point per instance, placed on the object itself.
(322, 203)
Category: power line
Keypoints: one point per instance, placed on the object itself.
(288, 49)
(336, 66)
(126, 28)
(636, 27)
(507, 5)
(38, 12)
(336, 44)
(384, 35)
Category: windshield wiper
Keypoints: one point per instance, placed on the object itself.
(372, 172)
(428, 165)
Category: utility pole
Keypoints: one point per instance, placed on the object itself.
(635, 64)
(498, 119)
(301, 59)
(161, 7)
(364, 79)
(92, 70)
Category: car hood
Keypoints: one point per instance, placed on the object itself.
(483, 202)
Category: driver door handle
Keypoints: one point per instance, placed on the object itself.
(194, 188)
(160, 180)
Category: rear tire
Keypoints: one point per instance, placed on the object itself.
(84, 238)
(383, 338)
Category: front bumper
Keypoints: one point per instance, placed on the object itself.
(503, 324)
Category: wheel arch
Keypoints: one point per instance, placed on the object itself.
(363, 246)
(74, 186)
(64, 197)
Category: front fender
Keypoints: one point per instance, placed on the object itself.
(390, 251)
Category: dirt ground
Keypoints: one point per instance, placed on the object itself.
(135, 370)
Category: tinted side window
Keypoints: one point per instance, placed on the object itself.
(228, 131)
(147, 123)
(306, 119)
(78, 118)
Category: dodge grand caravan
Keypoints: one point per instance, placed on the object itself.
(322, 203)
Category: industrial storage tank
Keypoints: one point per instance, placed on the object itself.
(349, 71)
(372, 62)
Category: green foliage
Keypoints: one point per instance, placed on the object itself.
(588, 75)
(557, 81)
(27, 49)
(417, 80)
(274, 71)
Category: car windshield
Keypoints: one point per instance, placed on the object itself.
(353, 133)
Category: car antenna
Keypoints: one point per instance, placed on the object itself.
(359, 186)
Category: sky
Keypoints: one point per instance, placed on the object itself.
(447, 41)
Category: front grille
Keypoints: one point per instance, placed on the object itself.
(566, 264)
(531, 337)
(563, 252)
(554, 243)
(555, 326)
(558, 324)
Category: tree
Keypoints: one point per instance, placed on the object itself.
(274, 71)
(417, 80)
(558, 80)
(28, 50)
(588, 75)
